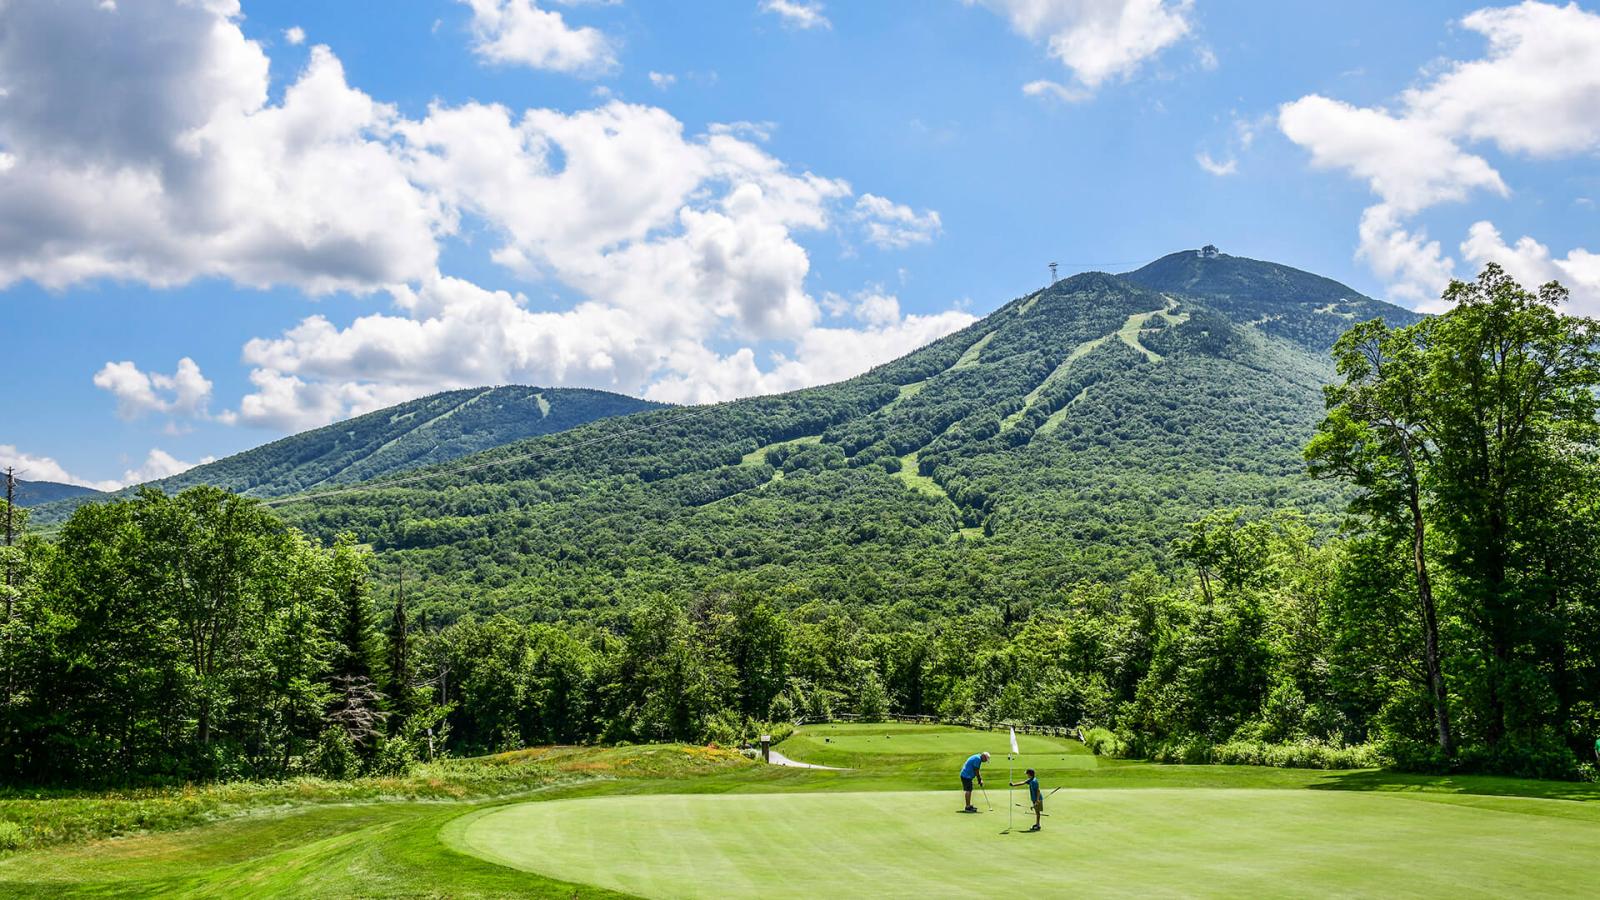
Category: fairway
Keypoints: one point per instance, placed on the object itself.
(1095, 842)
(940, 748)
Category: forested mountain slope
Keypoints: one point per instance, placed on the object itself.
(1075, 430)
(432, 429)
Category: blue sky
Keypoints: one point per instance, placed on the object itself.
(229, 223)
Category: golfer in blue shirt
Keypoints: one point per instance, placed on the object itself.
(973, 769)
(1035, 797)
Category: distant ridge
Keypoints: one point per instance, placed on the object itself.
(35, 493)
(421, 432)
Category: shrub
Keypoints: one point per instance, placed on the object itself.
(335, 757)
(11, 835)
(393, 757)
(1549, 759)
(1102, 742)
(1304, 754)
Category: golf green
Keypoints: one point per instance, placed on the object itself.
(1096, 842)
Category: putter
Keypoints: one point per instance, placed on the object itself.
(986, 797)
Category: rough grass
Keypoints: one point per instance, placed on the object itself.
(43, 818)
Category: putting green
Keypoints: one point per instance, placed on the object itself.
(1153, 841)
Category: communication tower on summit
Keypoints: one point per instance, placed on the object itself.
(1053, 273)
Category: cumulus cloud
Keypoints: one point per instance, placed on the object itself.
(821, 356)
(1406, 161)
(802, 14)
(295, 35)
(518, 32)
(157, 464)
(186, 392)
(184, 170)
(30, 467)
(895, 225)
(1535, 93)
(1532, 263)
(1097, 40)
(660, 244)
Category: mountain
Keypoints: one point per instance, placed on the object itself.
(1307, 309)
(1069, 435)
(430, 430)
(35, 493)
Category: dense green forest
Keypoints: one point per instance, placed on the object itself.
(1113, 505)
(1079, 427)
(433, 429)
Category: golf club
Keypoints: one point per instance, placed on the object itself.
(986, 797)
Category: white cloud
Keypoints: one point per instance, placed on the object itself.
(157, 464)
(1531, 263)
(186, 392)
(1536, 93)
(1414, 267)
(1220, 169)
(1406, 161)
(802, 14)
(821, 356)
(1097, 39)
(43, 468)
(663, 81)
(895, 225)
(1538, 90)
(295, 35)
(518, 32)
(186, 171)
(653, 244)
(1056, 91)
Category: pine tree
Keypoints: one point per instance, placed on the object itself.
(399, 676)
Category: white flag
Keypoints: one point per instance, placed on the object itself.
(1014, 742)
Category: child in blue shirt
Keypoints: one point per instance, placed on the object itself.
(1035, 797)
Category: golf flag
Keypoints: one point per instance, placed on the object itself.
(1014, 742)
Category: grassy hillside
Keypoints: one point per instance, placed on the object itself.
(36, 493)
(1077, 428)
(432, 429)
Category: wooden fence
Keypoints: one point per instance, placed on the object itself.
(1060, 731)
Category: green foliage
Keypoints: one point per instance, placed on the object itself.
(1473, 440)
(334, 756)
(427, 431)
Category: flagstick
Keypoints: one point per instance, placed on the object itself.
(1011, 808)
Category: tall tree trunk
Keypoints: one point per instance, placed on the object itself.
(1430, 628)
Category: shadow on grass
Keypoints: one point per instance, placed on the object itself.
(1484, 785)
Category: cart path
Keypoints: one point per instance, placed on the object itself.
(778, 759)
